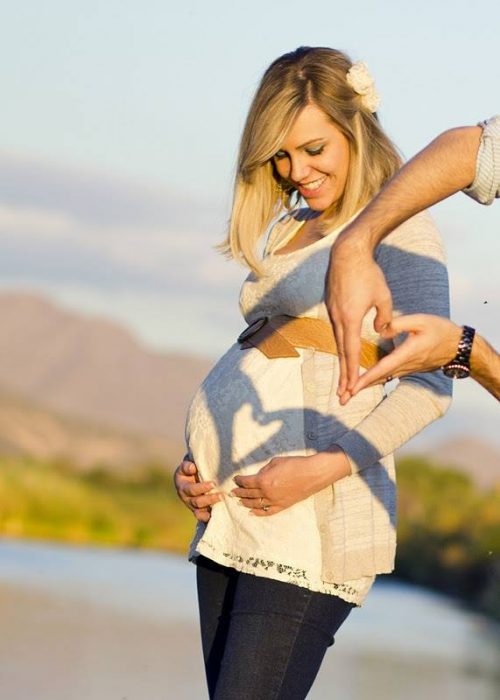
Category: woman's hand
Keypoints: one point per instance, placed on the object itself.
(196, 495)
(285, 481)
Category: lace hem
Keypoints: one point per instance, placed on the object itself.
(284, 572)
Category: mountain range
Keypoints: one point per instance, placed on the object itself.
(93, 368)
(28, 429)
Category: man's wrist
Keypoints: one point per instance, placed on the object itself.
(449, 339)
(358, 238)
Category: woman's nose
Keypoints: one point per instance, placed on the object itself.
(299, 169)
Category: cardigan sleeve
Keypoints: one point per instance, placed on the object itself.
(413, 262)
(486, 185)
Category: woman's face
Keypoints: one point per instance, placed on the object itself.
(314, 158)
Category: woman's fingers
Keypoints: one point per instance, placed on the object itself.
(203, 515)
(197, 489)
(246, 493)
(202, 505)
(250, 502)
(204, 501)
(256, 506)
(261, 513)
(186, 480)
(186, 472)
(196, 495)
(251, 481)
(200, 495)
(189, 468)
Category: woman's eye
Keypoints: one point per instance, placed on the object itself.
(315, 151)
(279, 155)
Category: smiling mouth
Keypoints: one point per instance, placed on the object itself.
(312, 186)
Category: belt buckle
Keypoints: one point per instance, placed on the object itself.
(253, 328)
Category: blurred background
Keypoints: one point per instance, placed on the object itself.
(120, 123)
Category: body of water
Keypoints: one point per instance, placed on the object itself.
(83, 623)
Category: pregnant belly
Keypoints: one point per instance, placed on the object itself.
(248, 410)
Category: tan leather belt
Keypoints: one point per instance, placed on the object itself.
(278, 336)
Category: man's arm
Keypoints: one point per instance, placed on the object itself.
(354, 282)
(485, 366)
(432, 342)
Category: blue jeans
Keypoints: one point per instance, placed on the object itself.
(262, 639)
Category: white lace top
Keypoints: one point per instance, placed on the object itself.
(251, 408)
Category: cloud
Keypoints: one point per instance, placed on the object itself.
(34, 221)
(96, 198)
(64, 225)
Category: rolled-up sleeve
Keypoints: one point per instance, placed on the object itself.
(413, 262)
(486, 185)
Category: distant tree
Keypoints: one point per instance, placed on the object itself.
(449, 533)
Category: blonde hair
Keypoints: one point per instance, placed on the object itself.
(294, 80)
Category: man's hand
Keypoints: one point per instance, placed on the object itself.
(354, 284)
(196, 495)
(431, 343)
(285, 481)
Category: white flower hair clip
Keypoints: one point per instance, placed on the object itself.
(359, 78)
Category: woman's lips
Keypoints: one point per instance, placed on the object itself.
(314, 191)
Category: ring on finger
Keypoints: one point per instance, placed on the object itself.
(263, 506)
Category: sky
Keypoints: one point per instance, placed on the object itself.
(120, 125)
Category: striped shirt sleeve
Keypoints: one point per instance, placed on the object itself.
(486, 185)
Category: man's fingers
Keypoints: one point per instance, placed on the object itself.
(345, 397)
(342, 387)
(384, 314)
(339, 339)
(352, 350)
(390, 366)
(397, 362)
(403, 324)
(375, 375)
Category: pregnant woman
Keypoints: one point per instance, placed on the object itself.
(295, 493)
